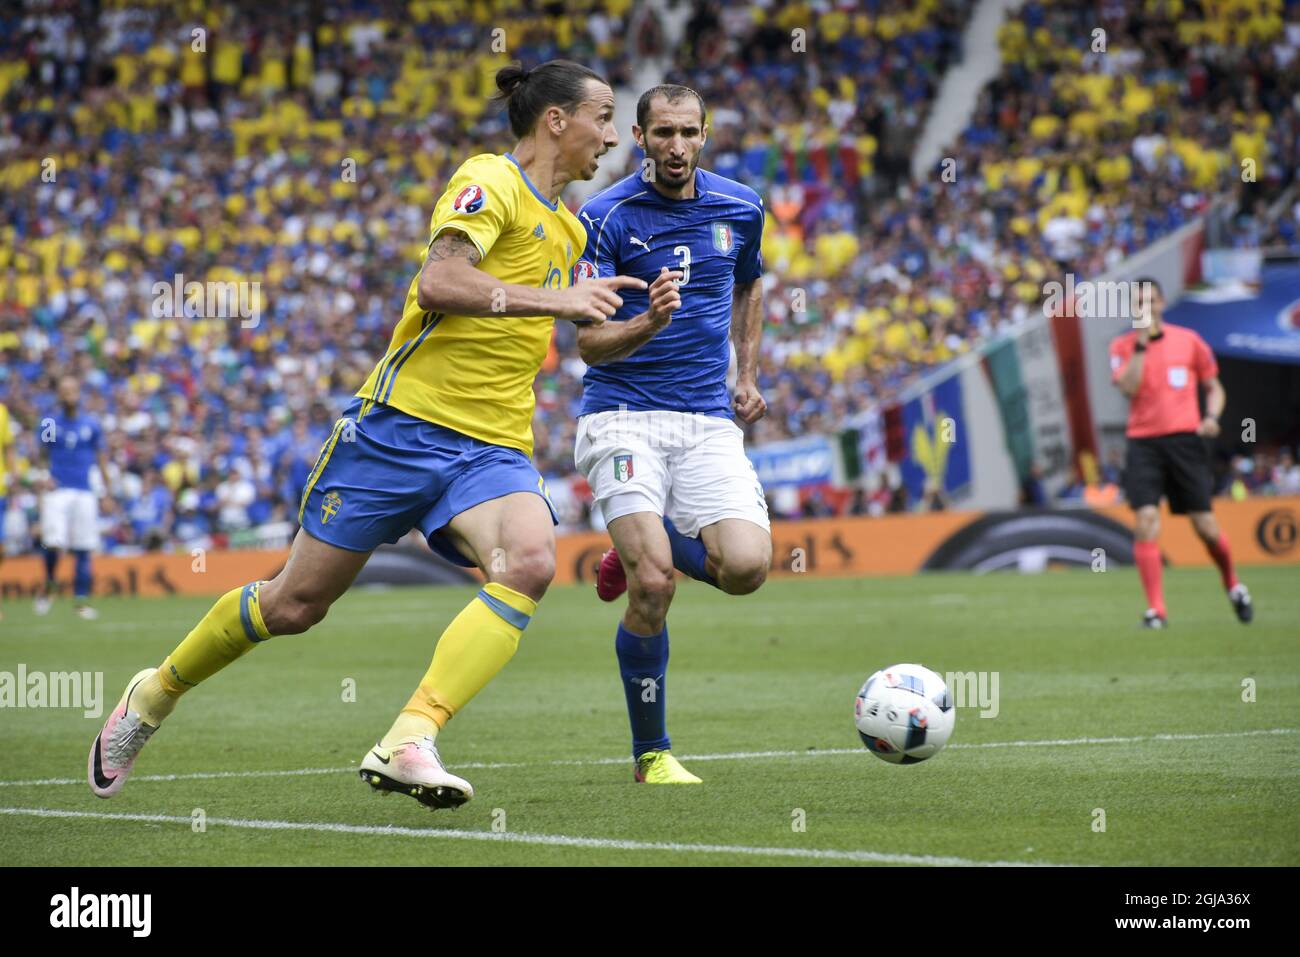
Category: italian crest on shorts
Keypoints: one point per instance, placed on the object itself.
(623, 467)
(724, 237)
(329, 506)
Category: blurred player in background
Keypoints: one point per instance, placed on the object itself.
(438, 438)
(1161, 368)
(74, 445)
(656, 439)
(7, 468)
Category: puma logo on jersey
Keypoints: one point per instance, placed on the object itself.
(590, 222)
(636, 242)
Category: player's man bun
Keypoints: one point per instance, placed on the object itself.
(530, 93)
(509, 78)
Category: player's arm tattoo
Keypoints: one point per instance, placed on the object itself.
(444, 250)
(452, 244)
(448, 286)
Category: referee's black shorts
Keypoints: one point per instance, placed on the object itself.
(1176, 466)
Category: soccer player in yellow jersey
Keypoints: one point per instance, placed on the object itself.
(438, 438)
(6, 470)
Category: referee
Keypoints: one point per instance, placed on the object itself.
(1161, 369)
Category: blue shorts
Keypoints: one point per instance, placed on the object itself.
(380, 477)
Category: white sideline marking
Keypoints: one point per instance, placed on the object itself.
(727, 756)
(338, 619)
(190, 776)
(552, 840)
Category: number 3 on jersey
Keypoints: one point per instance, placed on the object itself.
(684, 265)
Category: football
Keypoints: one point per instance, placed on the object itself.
(904, 714)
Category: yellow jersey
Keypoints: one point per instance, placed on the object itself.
(6, 439)
(475, 375)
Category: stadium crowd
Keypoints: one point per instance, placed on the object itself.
(162, 142)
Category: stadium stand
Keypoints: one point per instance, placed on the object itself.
(307, 161)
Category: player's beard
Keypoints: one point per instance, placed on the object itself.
(678, 180)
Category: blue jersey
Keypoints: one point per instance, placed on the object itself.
(713, 239)
(74, 448)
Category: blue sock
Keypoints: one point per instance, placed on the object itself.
(643, 663)
(689, 554)
(51, 556)
(81, 577)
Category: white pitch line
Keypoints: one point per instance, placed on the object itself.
(726, 756)
(57, 627)
(1149, 737)
(1058, 742)
(337, 620)
(190, 776)
(550, 840)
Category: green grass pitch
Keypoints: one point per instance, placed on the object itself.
(1191, 773)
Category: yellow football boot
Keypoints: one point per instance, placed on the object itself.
(660, 767)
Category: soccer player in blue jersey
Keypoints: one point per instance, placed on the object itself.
(74, 444)
(656, 437)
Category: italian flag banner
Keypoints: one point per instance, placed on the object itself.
(1038, 380)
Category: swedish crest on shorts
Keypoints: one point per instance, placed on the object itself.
(329, 506)
(622, 467)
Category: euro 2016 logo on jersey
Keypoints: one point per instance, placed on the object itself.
(582, 270)
(469, 200)
(724, 237)
(622, 467)
(329, 506)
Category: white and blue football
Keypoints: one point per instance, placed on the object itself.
(904, 714)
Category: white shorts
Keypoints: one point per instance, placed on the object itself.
(70, 519)
(689, 468)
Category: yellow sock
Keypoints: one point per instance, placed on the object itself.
(410, 726)
(231, 628)
(152, 700)
(476, 645)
